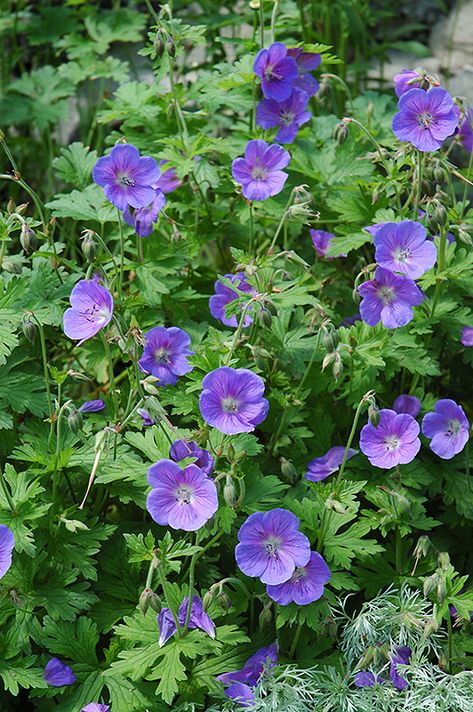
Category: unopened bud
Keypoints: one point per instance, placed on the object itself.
(430, 584)
(271, 307)
(11, 206)
(265, 317)
(171, 47)
(89, 248)
(340, 132)
(337, 368)
(331, 340)
(288, 471)
(148, 385)
(159, 44)
(440, 215)
(229, 492)
(11, 267)
(422, 547)
(265, 617)
(149, 599)
(207, 599)
(74, 421)
(464, 233)
(29, 329)
(224, 600)
(443, 560)
(28, 239)
(441, 589)
(373, 415)
(440, 174)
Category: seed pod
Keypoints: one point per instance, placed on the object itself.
(340, 133)
(288, 471)
(443, 560)
(422, 547)
(171, 47)
(430, 584)
(224, 600)
(29, 329)
(74, 421)
(337, 368)
(28, 239)
(89, 248)
(211, 195)
(441, 589)
(207, 600)
(331, 340)
(440, 215)
(265, 617)
(265, 316)
(271, 307)
(11, 206)
(373, 415)
(229, 492)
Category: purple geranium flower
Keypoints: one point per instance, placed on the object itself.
(321, 241)
(289, 115)
(401, 656)
(168, 180)
(165, 354)
(126, 177)
(350, 320)
(262, 661)
(305, 585)
(271, 546)
(403, 247)
(322, 467)
(242, 694)
(425, 118)
(145, 417)
(182, 499)
(91, 309)
(466, 130)
(224, 295)
(373, 229)
(143, 219)
(467, 336)
(198, 619)
(95, 707)
(92, 406)
(364, 678)
(232, 400)
(407, 404)
(306, 62)
(7, 544)
(181, 449)
(389, 298)
(405, 80)
(58, 674)
(259, 172)
(277, 70)
(393, 442)
(447, 428)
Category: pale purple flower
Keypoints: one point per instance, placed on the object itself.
(126, 177)
(277, 70)
(7, 544)
(373, 229)
(401, 656)
(466, 130)
(165, 354)
(321, 467)
(306, 584)
(467, 336)
(182, 499)
(198, 619)
(447, 428)
(271, 546)
(95, 707)
(181, 449)
(288, 115)
(92, 406)
(264, 660)
(232, 400)
(321, 241)
(394, 441)
(91, 309)
(403, 247)
(306, 62)
(389, 298)
(364, 678)
(168, 180)
(405, 80)
(224, 295)
(407, 404)
(145, 417)
(425, 118)
(143, 219)
(259, 172)
(58, 674)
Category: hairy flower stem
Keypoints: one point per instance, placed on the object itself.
(295, 641)
(237, 333)
(274, 15)
(58, 448)
(440, 269)
(468, 175)
(168, 599)
(361, 405)
(44, 359)
(419, 186)
(281, 223)
(152, 568)
(111, 375)
(191, 580)
(450, 642)
(152, 11)
(310, 364)
(139, 249)
(122, 255)
(252, 228)
(261, 23)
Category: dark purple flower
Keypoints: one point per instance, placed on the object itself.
(401, 656)
(165, 354)
(181, 449)
(403, 247)
(447, 428)
(91, 309)
(58, 674)
(271, 546)
(289, 115)
(321, 241)
(264, 660)
(7, 544)
(198, 619)
(242, 694)
(466, 130)
(95, 707)
(143, 219)
(467, 336)
(126, 177)
(259, 172)
(389, 298)
(232, 400)
(405, 80)
(305, 585)
(277, 70)
(393, 442)
(224, 295)
(145, 417)
(364, 678)
(306, 62)
(350, 320)
(92, 406)
(168, 180)
(322, 467)
(407, 404)
(182, 499)
(425, 118)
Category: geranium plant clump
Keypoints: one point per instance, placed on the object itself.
(235, 346)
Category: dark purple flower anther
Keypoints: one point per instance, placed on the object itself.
(143, 219)
(259, 172)
(126, 177)
(91, 309)
(232, 400)
(306, 62)
(404, 247)
(407, 404)
(181, 449)
(198, 619)
(7, 544)
(182, 499)
(288, 115)
(321, 241)
(277, 70)
(467, 336)
(389, 298)
(271, 546)
(425, 118)
(305, 585)
(165, 354)
(393, 442)
(321, 467)
(224, 295)
(58, 674)
(92, 406)
(447, 428)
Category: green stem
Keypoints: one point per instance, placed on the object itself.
(152, 11)
(252, 228)
(237, 333)
(151, 570)
(440, 269)
(139, 248)
(362, 402)
(273, 20)
(165, 587)
(261, 23)
(450, 642)
(111, 375)
(58, 448)
(191, 581)
(295, 640)
(44, 358)
(122, 254)
(310, 364)
(181, 121)
(470, 164)
(398, 552)
(419, 185)
(281, 223)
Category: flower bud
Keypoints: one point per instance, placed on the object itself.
(29, 329)
(337, 368)
(11, 267)
(159, 44)
(11, 206)
(211, 194)
(443, 560)
(229, 492)
(288, 471)
(331, 340)
(271, 307)
(265, 316)
(440, 174)
(373, 415)
(340, 132)
(265, 617)
(224, 600)
(430, 584)
(441, 589)
(464, 233)
(422, 547)
(149, 598)
(28, 239)
(74, 421)
(171, 47)
(207, 600)
(89, 248)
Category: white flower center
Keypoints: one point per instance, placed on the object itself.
(392, 443)
(259, 173)
(453, 427)
(425, 119)
(230, 405)
(272, 547)
(402, 254)
(125, 181)
(298, 575)
(287, 117)
(184, 495)
(161, 356)
(386, 294)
